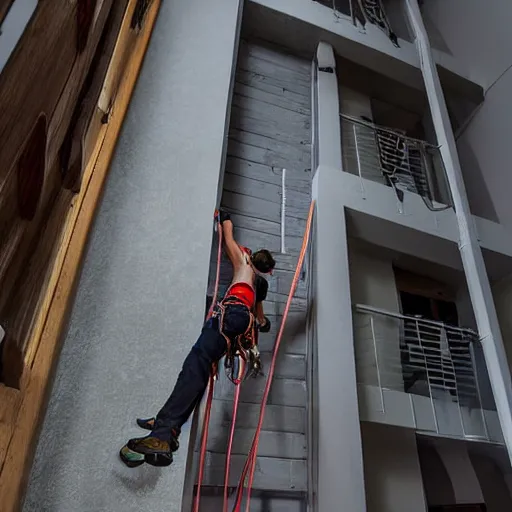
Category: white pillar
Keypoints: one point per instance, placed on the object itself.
(339, 463)
(327, 109)
(471, 253)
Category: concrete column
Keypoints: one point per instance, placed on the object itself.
(339, 450)
(339, 459)
(327, 109)
(470, 250)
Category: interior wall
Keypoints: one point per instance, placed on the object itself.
(502, 293)
(376, 338)
(482, 42)
(391, 468)
(456, 460)
(138, 310)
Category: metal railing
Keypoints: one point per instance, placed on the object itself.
(420, 357)
(389, 157)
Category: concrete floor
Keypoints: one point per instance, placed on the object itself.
(140, 302)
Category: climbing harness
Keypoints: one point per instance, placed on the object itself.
(245, 354)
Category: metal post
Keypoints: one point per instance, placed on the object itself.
(359, 170)
(378, 367)
(471, 349)
(428, 378)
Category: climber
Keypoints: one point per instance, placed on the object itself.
(231, 330)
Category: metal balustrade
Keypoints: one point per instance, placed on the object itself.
(389, 157)
(423, 358)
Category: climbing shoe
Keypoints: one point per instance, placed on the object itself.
(130, 458)
(147, 424)
(150, 445)
(133, 459)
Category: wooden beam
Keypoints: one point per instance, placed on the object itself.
(36, 383)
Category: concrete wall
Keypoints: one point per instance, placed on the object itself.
(141, 298)
(391, 469)
(478, 34)
(372, 283)
(493, 484)
(456, 460)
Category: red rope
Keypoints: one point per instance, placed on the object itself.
(238, 385)
(250, 464)
(209, 399)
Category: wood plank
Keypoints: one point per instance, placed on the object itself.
(271, 473)
(37, 383)
(289, 392)
(259, 155)
(276, 54)
(33, 79)
(277, 417)
(295, 201)
(290, 151)
(269, 84)
(87, 118)
(295, 180)
(294, 227)
(289, 134)
(9, 403)
(61, 117)
(276, 71)
(248, 91)
(261, 110)
(283, 445)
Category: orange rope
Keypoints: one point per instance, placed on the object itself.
(209, 399)
(250, 464)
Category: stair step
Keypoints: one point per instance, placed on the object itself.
(294, 336)
(258, 503)
(290, 366)
(277, 417)
(290, 392)
(271, 473)
(283, 445)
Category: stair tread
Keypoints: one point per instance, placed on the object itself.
(281, 418)
(271, 473)
(273, 444)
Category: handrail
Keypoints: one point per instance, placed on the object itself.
(374, 126)
(409, 354)
(371, 309)
(400, 161)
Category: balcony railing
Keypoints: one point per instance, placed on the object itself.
(389, 157)
(397, 353)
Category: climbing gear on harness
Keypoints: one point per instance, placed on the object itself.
(239, 346)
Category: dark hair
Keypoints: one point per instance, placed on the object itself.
(263, 261)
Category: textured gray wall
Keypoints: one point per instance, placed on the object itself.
(141, 298)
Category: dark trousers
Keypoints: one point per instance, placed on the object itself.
(194, 375)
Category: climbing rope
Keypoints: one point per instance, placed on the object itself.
(250, 464)
(211, 380)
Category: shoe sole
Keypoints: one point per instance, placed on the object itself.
(128, 462)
